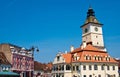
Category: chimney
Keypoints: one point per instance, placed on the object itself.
(71, 48)
(83, 45)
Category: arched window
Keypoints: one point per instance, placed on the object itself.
(90, 75)
(67, 67)
(84, 75)
(99, 75)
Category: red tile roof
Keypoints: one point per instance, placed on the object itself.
(42, 66)
(95, 55)
(67, 57)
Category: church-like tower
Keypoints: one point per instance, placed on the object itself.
(92, 30)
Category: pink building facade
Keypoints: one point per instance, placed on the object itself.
(21, 59)
(23, 65)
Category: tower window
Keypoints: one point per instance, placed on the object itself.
(86, 30)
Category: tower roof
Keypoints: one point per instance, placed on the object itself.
(90, 12)
(91, 17)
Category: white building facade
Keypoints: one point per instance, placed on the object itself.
(91, 58)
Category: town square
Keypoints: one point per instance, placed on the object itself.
(59, 38)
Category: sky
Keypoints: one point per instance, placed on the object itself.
(54, 25)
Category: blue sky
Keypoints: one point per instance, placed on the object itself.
(54, 25)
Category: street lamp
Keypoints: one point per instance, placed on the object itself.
(32, 50)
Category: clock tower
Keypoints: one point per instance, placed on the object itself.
(92, 30)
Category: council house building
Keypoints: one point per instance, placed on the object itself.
(91, 59)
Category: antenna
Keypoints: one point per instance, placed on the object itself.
(89, 4)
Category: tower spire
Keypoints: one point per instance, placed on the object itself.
(90, 12)
(91, 16)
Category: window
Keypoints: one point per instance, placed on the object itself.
(108, 68)
(95, 58)
(62, 67)
(113, 67)
(77, 68)
(114, 75)
(62, 75)
(84, 67)
(98, 58)
(73, 68)
(67, 67)
(102, 67)
(90, 75)
(58, 58)
(108, 58)
(90, 67)
(99, 75)
(84, 75)
(56, 68)
(95, 67)
(90, 57)
(86, 57)
(59, 67)
(53, 68)
(57, 75)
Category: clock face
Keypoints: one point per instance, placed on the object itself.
(86, 30)
(96, 29)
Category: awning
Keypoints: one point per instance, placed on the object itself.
(9, 73)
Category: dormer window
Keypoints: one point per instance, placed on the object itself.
(58, 58)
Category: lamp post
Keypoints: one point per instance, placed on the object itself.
(32, 50)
